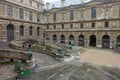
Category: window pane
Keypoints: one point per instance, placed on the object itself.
(54, 26)
(21, 13)
(62, 26)
(93, 12)
(71, 26)
(38, 17)
(81, 25)
(54, 16)
(93, 25)
(106, 24)
(38, 31)
(71, 15)
(30, 2)
(30, 15)
(30, 31)
(10, 10)
(21, 30)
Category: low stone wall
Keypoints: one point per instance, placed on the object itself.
(50, 50)
(8, 55)
(25, 49)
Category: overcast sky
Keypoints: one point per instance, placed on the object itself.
(50, 0)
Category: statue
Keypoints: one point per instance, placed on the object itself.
(30, 55)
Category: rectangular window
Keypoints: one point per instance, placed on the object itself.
(106, 24)
(30, 31)
(93, 12)
(54, 16)
(81, 25)
(71, 15)
(38, 5)
(54, 26)
(93, 25)
(38, 31)
(38, 17)
(71, 26)
(30, 2)
(10, 10)
(21, 30)
(21, 13)
(47, 26)
(30, 15)
(62, 26)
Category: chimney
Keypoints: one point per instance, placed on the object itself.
(47, 5)
(62, 3)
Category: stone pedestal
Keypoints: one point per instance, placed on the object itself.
(30, 63)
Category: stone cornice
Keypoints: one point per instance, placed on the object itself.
(82, 21)
(22, 5)
(17, 20)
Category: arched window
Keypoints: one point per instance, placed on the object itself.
(54, 38)
(71, 40)
(106, 41)
(10, 32)
(118, 42)
(62, 39)
(81, 40)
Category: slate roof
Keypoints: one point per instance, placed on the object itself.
(76, 3)
(57, 4)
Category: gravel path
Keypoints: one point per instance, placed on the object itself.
(101, 57)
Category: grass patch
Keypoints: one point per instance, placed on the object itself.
(38, 47)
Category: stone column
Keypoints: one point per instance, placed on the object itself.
(4, 32)
(16, 31)
(87, 39)
(99, 40)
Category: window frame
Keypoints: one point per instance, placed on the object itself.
(93, 12)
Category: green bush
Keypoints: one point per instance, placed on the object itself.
(38, 47)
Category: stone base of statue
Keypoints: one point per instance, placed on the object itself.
(30, 63)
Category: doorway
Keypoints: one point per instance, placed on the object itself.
(93, 41)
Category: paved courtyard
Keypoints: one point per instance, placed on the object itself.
(76, 70)
(102, 57)
(85, 64)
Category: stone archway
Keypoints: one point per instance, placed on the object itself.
(62, 39)
(71, 40)
(10, 32)
(106, 41)
(118, 42)
(92, 41)
(54, 38)
(81, 40)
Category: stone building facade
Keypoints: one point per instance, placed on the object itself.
(96, 24)
(20, 19)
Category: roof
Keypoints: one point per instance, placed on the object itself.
(57, 4)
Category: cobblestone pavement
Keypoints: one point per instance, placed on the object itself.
(76, 70)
